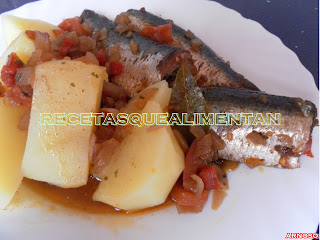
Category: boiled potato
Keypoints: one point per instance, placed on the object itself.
(144, 169)
(12, 145)
(14, 26)
(162, 96)
(13, 140)
(59, 154)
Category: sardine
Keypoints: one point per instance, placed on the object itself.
(212, 69)
(269, 145)
(153, 62)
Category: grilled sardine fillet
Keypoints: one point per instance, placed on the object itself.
(273, 145)
(153, 62)
(212, 70)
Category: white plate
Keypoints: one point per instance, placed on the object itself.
(260, 205)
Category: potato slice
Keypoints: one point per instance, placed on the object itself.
(14, 26)
(12, 145)
(144, 169)
(59, 154)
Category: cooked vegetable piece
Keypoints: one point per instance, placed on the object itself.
(115, 68)
(11, 155)
(161, 96)
(58, 154)
(12, 145)
(144, 169)
(101, 56)
(17, 96)
(185, 198)
(9, 70)
(161, 33)
(213, 178)
(209, 177)
(200, 153)
(73, 24)
(66, 46)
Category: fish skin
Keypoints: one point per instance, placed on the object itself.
(212, 69)
(298, 117)
(154, 62)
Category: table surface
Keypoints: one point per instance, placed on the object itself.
(296, 23)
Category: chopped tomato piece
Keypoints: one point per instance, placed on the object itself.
(14, 61)
(101, 56)
(115, 68)
(161, 33)
(9, 70)
(164, 33)
(57, 32)
(66, 46)
(308, 149)
(7, 75)
(186, 198)
(72, 24)
(19, 97)
(148, 32)
(209, 177)
(199, 153)
(31, 34)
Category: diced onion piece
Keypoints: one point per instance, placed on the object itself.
(25, 76)
(114, 91)
(256, 138)
(88, 58)
(217, 142)
(181, 140)
(197, 131)
(103, 157)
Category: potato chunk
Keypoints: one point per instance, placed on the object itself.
(12, 145)
(162, 96)
(144, 169)
(59, 154)
(13, 140)
(14, 26)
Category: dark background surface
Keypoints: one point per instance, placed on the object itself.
(295, 22)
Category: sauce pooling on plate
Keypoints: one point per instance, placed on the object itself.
(228, 166)
(81, 198)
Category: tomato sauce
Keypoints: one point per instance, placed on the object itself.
(228, 166)
(81, 198)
